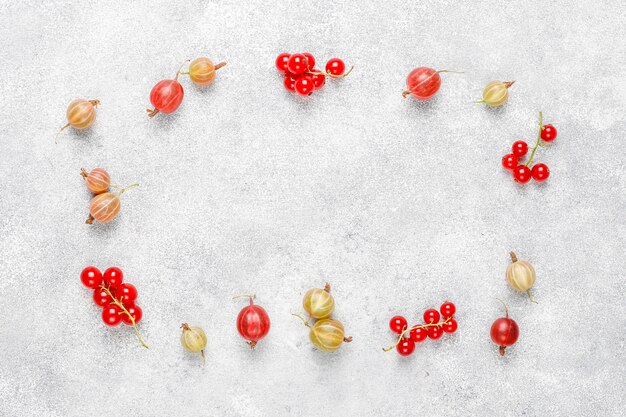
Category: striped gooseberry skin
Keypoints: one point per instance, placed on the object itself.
(202, 70)
(98, 180)
(167, 95)
(104, 208)
(82, 113)
(496, 93)
(423, 83)
(327, 335)
(318, 303)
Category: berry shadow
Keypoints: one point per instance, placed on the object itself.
(422, 106)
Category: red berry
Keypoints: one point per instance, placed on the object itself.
(450, 326)
(418, 334)
(281, 62)
(113, 277)
(431, 316)
(521, 174)
(91, 277)
(111, 315)
(397, 324)
(290, 82)
(435, 332)
(447, 309)
(101, 298)
(167, 95)
(335, 66)
(297, 64)
(319, 79)
(520, 148)
(509, 161)
(548, 133)
(310, 59)
(133, 310)
(423, 83)
(126, 293)
(405, 347)
(304, 85)
(540, 172)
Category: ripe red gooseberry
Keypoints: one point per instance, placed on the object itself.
(504, 331)
(423, 83)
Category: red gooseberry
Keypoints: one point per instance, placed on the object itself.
(504, 331)
(166, 96)
(253, 323)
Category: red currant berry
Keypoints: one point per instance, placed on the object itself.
(335, 66)
(319, 79)
(397, 324)
(134, 311)
(521, 174)
(113, 277)
(310, 59)
(509, 161)
(101, 298)
(418, 334)
(548, 133)
(111, 315)
(447, 309)
(126, 293)
(290, 82)
(297, 64)
(405, 347)
(304, 85)
(91, 277)
(281, 62)
(435, 332)
(450, 326)
(540, 172)
(520, 148)
(431, 316)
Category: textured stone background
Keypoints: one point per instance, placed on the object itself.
(250, 189)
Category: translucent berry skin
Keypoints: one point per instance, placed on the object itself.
(91, 277)
(504, 332)
(126, 293)
(101, 298)
(509, 161)
(81, 113)
(202, 71)
(447, 309)
(290, 82)
(297, 64)
(522, 174)
(405, 347)
(135, 311)
(111, 315)
(450, 326)
(310, 60)
(397, 324)
(281, 62)
(335, 66)
(540, 172)
(435, 332)
(304, 85)
(104, 207)
(548, 133)
(98, 180)
(167, 95)
(319, 79)
(418, 334)
(431, 316)
(113, 277)
(520, 148)
(423, 83)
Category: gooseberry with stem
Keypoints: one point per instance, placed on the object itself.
(202, 71)
(318, 302)
(253, 322)
(496, 93)
(504, 331)
(80, 114)
(423, 83)
(98, 180)
(327, 334)
(166, 95)
(106, 206)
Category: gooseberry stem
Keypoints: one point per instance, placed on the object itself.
(306, 323)
(250, 296)
(124, 311)
(506, 308)
(417, 326)
(122, 189)
(345, 74)
(59, 132)
(181, 67)
(407, 93)
(532, 155)
(327, 287)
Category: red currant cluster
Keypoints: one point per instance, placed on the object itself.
(524, 173)
(301, 75)
(433, 329)
(116, 298)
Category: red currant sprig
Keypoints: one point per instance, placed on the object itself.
(115, 297)
(301, 75)
(524, 173)
(433, 328)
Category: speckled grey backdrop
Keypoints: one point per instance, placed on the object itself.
(250, 189)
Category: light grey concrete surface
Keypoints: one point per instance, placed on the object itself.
(250, 189)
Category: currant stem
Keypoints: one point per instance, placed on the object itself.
(454, 72)
(532, 155)
(124, 311)
(306, 323)
(417, 326)
(345, 74)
